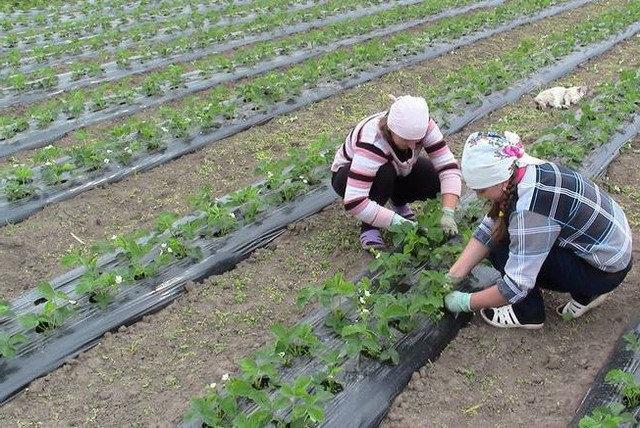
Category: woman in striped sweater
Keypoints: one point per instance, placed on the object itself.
(379, 162)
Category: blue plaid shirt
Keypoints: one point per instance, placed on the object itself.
(558, 206)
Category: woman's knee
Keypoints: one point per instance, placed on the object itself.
(383, 183)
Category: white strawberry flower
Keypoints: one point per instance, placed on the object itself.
(362, 300)
(169, 250)
(48, 163)
(107, 160)
(109, 152)
(225, 377)
(232, 215)
(364, 311)
(50, 146)
(305, 181)
(73, 302)
(114, 237)
(281, 354)
(118, 279)
(163, 245)
(367, 293)
(164, 129)
(213, 385)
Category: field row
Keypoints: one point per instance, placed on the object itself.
(135, 137)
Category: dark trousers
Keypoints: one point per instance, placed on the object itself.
(561, 271)
(421, 184)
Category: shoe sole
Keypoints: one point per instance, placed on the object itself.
(594, 304)
(525, 326)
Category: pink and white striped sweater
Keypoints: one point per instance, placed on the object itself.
(367, 150)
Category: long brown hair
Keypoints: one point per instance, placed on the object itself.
(384, 128)
(502, 209)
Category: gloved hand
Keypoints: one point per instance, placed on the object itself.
(398, 219)
(448, 221)
(457, 301)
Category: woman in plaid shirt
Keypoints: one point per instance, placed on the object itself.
(548, 227)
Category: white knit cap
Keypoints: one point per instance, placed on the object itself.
(489, 158)
(409, 117)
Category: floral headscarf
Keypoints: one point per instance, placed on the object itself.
(490, 158)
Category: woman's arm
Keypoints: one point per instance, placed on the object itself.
(488, 298)
(473, 253)
(450, 200)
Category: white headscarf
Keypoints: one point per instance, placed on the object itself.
(490, 158)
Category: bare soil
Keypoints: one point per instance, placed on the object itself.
(489, 377)
(145, 374)
(31, 249)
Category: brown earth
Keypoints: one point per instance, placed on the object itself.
(31, 249)
(490, 377)
(144, 375)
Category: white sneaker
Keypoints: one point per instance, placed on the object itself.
(573, 309)
(504, 317)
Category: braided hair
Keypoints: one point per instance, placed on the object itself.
(501, 210)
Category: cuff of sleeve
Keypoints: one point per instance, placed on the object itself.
(482, 235)
(384, 218)
(510, 291)
(451, 184)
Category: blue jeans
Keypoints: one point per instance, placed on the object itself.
(561, 271)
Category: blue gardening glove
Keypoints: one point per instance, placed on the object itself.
(457, 301)
(448, 222)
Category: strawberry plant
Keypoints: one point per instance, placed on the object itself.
(329, 294)
(178, 249)
(88, 157)
(55, 310)
(361, 339)
(19, 186)
(43, 114)
(328, 378)
(152, 85)
(214, 410)
(305, 401)
(100, 288)
(190, 228)
(176, 123)
(628, 384)
(632, 341)
(294, 342)
(391, 268)
(18, 81)
(9, 343)
(610, 416)
(165, 220)
(397, 311)
(261, 370)
(53, 173)
(220, 220)
(5, 309)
